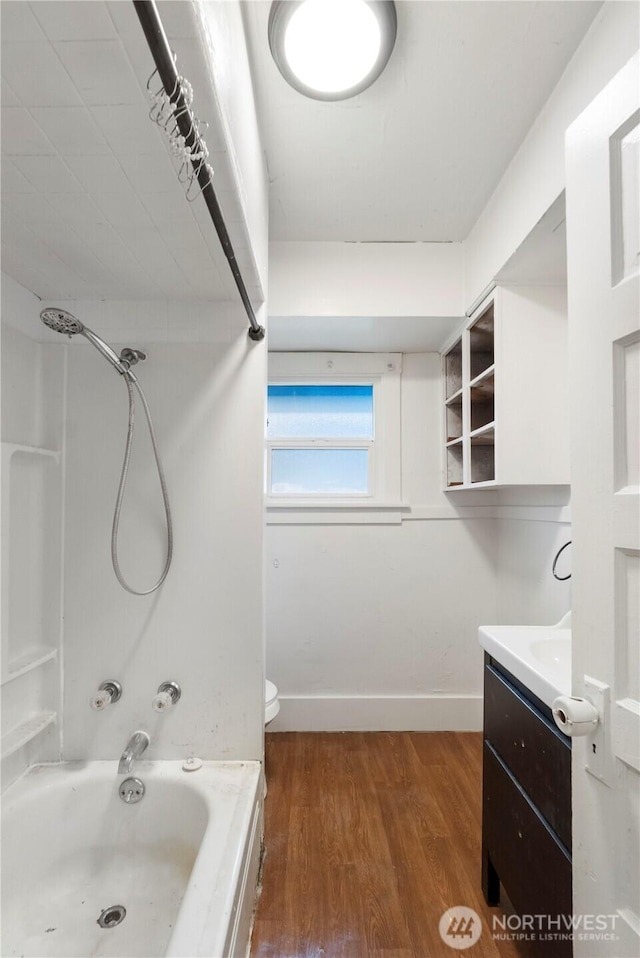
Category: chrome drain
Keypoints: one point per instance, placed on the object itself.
(112, 916)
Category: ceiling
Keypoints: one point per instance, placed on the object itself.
(91, 204)
(418, 154)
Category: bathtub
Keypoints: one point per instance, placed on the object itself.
(183, 861)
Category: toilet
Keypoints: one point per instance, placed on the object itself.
(271, 703)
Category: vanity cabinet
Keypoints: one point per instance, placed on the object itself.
(526, 805)
(505, 392)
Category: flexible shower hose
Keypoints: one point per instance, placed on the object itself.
(131, 381)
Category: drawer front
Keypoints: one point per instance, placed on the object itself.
(532, 865)
(538, 754)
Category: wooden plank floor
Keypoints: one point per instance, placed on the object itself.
(370, 837)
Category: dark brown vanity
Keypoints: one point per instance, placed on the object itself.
(526, 817)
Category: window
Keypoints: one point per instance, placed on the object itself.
(320, 439)
(333, 429)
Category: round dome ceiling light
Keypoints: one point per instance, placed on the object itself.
(331, 49)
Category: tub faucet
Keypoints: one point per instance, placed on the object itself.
(136, 745)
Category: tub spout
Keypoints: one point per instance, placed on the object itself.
(136, 745)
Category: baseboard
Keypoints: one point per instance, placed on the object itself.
(378, 713)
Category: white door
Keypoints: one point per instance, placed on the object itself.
(603, 210)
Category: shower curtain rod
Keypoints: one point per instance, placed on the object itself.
(163, 58)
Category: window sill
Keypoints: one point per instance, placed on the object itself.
(333, 512)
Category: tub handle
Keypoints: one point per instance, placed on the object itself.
(108, 693)
(168, 694)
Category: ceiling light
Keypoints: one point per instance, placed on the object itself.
(331, 49)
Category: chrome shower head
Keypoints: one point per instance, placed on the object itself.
(61, 321)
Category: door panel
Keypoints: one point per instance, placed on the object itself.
(603, 239)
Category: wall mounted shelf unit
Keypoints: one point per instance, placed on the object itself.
(505, 392)
(31, 601)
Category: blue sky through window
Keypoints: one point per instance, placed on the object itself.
(337, 472)
(320, 412)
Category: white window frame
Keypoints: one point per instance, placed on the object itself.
(380, 370)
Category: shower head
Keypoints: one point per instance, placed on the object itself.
(63, 322)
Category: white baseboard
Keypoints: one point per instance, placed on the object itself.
(378, 713)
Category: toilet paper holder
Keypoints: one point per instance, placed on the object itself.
(575, 716)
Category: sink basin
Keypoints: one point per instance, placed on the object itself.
(539, 656)
(553, 653)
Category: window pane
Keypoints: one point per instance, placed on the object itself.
(326, 471)
(320, 412)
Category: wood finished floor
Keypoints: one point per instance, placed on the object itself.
(370, 836)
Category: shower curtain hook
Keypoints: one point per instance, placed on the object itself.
(154, 94)
(210, 173)
(166, 114)
(176, 116)
(186, 171)
(174, 57)
(159, 96)
(164, 104)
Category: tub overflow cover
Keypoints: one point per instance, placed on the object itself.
(112, 916)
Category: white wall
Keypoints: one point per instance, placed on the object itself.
(527, 592)
(375, 626)
(366, 279)
(536, 175)
(33, 376)
(204, 627)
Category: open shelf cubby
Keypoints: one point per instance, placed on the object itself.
(482, 406)
(481, 352)
(454, 465)
(454, 418)
(453, 370)
(483, 466)
(31, 594)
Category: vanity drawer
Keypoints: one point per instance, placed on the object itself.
(532, 748)
(532, 864)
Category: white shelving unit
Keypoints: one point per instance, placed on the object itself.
(31, 593)
(23, 733)
(505, 392)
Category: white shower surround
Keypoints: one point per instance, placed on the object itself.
(204, 628)
(183, 861)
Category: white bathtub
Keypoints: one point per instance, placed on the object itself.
(183, 861)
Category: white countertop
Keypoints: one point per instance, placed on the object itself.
(539, 656)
